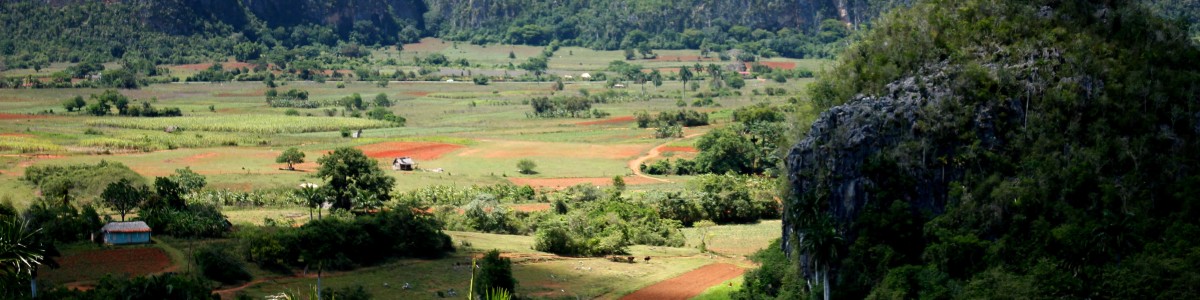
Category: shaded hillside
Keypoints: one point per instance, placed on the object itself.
(1030, 149)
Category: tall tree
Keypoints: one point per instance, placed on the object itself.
(123, 196)
(353, 177)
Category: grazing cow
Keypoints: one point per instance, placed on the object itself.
(647, 259)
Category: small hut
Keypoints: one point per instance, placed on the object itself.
(125, 233)
(404, 164)
(586, 76)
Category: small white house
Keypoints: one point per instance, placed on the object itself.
(586, 76)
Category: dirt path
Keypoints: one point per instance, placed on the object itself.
(655, 152)
(688, 285)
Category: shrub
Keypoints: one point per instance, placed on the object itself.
(217, 264)
(495, 273)
(526, 166)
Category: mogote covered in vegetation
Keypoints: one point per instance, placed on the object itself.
(599, 149)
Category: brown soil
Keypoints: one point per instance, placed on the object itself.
(524, 149)
(531, 207)
(562, 183)
(688, 285)
(417, 93)
(4, 116)
(198, 157)
(778, 64)
(91, 265)
(617, 120)
(416, 150)
(16, 134)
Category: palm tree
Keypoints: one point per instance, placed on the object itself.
(311, 193)
(822, 241)
(21, 252)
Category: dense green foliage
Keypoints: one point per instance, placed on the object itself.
(345, 242)
(63, 223)
(495, 273)
(354, 180)
(166, 286)
(216, 263)
(599, 223)
(1052, 156)
(758, 27)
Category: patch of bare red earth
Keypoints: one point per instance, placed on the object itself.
(688, 285)
(4, 116)
(777, 65)
(617, 120)
(78, 268)
(416, 150)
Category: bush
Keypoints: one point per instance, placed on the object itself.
(495, 273)
(63, 223)
(526, 166)
(218, 265)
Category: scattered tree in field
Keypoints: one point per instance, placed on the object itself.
(74, 103)
(354, 180)
(704, 227)
(382, 100)
(526, 166)
(618, 183)
(480, 79)
(123, 196)
(291, 156)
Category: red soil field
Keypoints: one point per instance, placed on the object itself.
(417, 150)
(92, 265)
(688, 285)
(562, 183)
(778, 64)
(417, 93)
(617, 120)
(4, 116)
(678, 149)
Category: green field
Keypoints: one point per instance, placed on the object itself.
(231, 136)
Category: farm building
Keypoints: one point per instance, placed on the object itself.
(404, 164)
(586, 76)
(124, 233)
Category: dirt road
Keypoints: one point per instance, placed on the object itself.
(655, 152)
(688, 285)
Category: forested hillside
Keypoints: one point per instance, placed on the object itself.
(1016, 149)
(788, 28)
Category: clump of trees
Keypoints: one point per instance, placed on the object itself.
(105, 102)
(587, 230)
(347, 241)
(561, 107)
